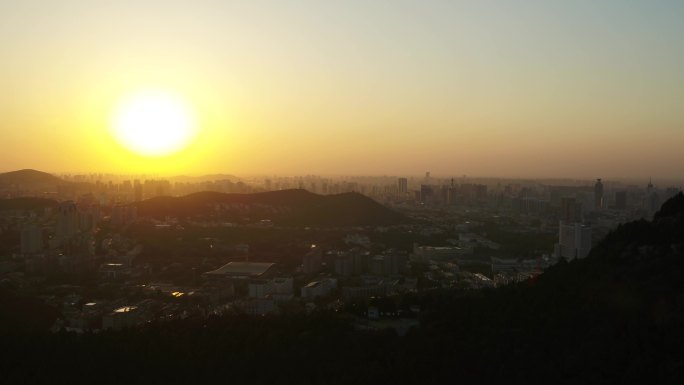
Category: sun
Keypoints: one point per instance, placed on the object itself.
(154, 123)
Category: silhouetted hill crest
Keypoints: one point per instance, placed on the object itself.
(29, 178)
(673, 208)
(287, 207)
(643, 260)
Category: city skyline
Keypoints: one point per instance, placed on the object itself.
(532, 89)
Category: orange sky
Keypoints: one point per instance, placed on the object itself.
(486, 88)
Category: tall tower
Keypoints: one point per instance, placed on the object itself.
(598, 194)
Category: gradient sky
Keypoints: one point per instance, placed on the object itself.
(490, 88)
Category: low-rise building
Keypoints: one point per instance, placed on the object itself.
(320, 288)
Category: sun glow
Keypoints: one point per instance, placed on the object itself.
(154, 123)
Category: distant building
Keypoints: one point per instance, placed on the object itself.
(672, 191)
(280, 287)
(31, 239)
(312, 261)
(620, 200)
(114, 271)
(260, 288)
(598, 194)
(504, 265)
(320, 288)
(426, 193)
(242, 270)
(574, 241)
(529, 205)
(366, 291)
(391, 264)
(121, 318)
(259, 306)
(403, 185)
(570, 210)
(67, 222)
(344, 265)
(89, 218)
(426, 254)
(652, 199)
(137, 191)
(123, 215)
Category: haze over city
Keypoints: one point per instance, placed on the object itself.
(341, 192)
(486, 88)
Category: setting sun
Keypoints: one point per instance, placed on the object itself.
(154, 123)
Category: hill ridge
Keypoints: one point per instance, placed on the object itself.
(294, 207)
(30, 178)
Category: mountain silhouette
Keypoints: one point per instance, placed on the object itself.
(286, 207)
(29, 178)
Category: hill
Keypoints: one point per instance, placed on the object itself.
(285, 207)
(616, 316)
(29, 179)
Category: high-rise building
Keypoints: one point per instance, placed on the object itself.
(137, 191)
(598, 194)
(570, 210)
(452, 195)
(403, 185)
(426, 193)
(67, 222)
(574, 240)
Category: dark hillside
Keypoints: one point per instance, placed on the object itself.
(286, 207)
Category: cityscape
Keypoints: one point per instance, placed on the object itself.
(341, 192)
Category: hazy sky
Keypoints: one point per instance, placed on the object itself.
(510, 88)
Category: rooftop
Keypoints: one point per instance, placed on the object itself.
(242, 269)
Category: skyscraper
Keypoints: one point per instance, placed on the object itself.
(598, 194)
(403, 185)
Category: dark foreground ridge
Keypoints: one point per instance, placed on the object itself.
(284, 207)
(616, 316)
